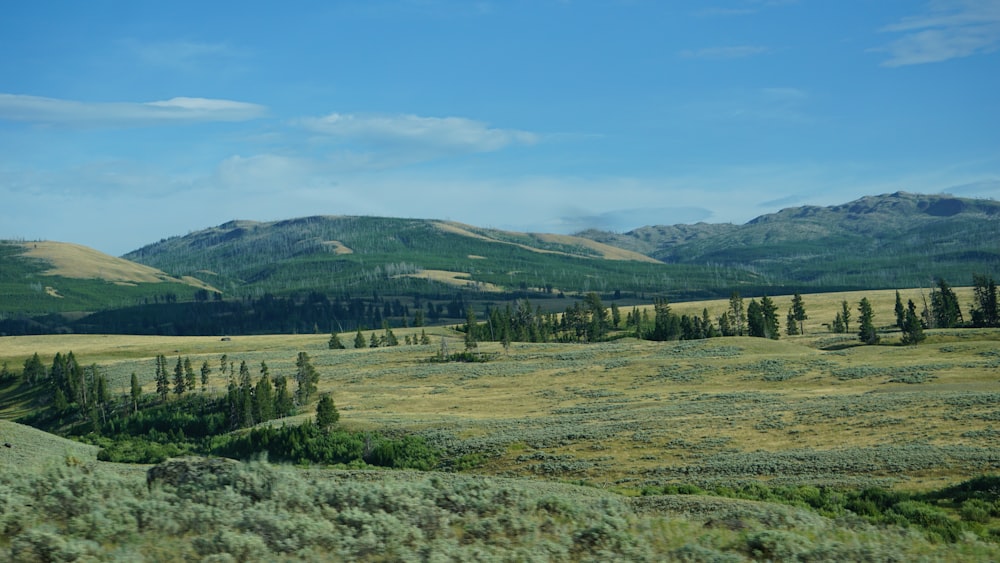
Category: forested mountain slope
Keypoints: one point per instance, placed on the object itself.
(899, 239)
(358, 255)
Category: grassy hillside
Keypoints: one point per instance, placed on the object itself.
(48, 277)
(358, 255)
(899, 239)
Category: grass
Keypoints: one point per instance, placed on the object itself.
(627, 414)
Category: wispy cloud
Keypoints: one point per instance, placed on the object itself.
(734, 52)
(54, 111)
(452, 134)
(778, 105)
(948, 29)
(180, 54)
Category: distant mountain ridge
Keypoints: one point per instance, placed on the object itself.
(880, 240)
(875, 242)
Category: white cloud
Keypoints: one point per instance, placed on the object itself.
(453, 134)
(948, 29)
(54, 111)
(735, 52)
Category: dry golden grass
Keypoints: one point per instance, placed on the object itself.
(76, 261)
(629, 412)
(606, 251)
(455, 279)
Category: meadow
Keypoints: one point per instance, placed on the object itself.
(521, 433)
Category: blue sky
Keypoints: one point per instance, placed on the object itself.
(122, 123)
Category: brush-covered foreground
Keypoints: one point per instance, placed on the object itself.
(216, 510)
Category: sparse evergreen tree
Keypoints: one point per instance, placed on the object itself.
(769, 313)
(373, 341)
(224, 365)
(708, 329)
(206, 371)
(900, 312)
(755, 319)
(162, 377)
(326, 412)
(799, 310)
(791, 326)
(189, 377)
(335, 343)
(390, 337)
(737, 315)
(424, 339)
(838, 324)
(944, 305)
(985, 310)
(913, 329)
(136, 392)
(283, 402)
(845, 315)
(725, 326)
(34, 370)
(306, 377)
(616, 316)
(263, 398)
(359, 340)
(867, 332)
(418, 317)
(471, 342)
(179, 380)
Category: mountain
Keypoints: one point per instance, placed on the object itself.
(47, 276)
(340, 255)
(885, 241)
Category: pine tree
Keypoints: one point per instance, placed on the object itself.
(306, 377)
(424, 339)
(335, 343)
(359, 340)
(206, 371)
(283, 403)
(845, 315)
(755, 319)
(791, 326)
(913, 329)
(944, 305)
(189, 377)
(900, 312)
(179, 380)
(769, 312)
(326, 412)
(867, 332)
(263, 398)
(985, 311)
(799, 311)
(838, 324)
(737, 316)
(162, 377)
(471, 342)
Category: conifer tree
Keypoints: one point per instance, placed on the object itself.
(179, 380)
(985, 310)
(799, 311)
(206, 371)
(335, 343)
(944, 305)
(845, 315)
(326, 412)
(306, 377)
(769, 314)
(867, 332)
(900, 312)
(359, 340)
(737, 315)
(162, 377)
(913, 329)
(189, 376)
(791, 326)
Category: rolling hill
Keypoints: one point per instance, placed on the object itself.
(48, 277)
(894, 240)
